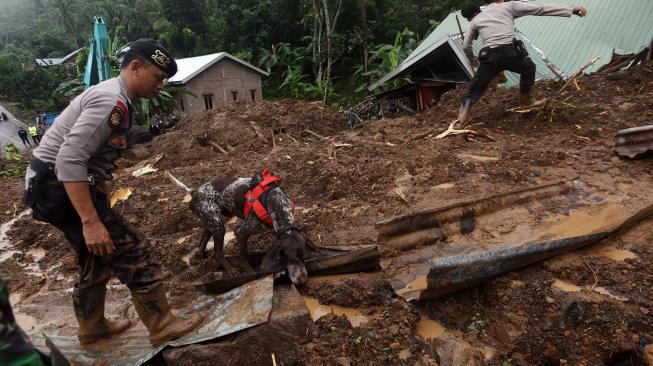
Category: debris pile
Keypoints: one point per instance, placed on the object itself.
(344, 181)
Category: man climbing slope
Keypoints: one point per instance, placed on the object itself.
(496, 26)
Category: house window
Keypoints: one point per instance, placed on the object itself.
(181, 105)
(253, 92)
(208, 102)
(234, 94)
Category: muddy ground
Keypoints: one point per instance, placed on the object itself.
(344, 181)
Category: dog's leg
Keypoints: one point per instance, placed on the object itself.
(206, 235)
(218, 252)
(215, 225)
(244, 232)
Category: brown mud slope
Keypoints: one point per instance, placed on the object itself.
(343, 181)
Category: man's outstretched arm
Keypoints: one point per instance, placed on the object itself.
(520, 9)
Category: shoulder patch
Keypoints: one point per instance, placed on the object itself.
(117, 141)
(116, 117)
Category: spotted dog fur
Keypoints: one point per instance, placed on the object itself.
(225, 197)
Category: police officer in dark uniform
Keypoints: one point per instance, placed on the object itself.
(66, 187)
(496, 26)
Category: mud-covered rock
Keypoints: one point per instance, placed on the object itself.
(454, 351)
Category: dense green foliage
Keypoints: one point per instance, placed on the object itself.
(314, 49)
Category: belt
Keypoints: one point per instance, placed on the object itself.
(41, 167)
(502, 47)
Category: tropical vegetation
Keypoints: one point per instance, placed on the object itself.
(313, 49)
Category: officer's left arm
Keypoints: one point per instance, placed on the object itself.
(87, 135)
(472, 34)
(522, 8)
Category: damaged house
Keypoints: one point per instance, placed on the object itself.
(216, 80)
(558, 46)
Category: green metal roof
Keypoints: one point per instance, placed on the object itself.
(619, 26)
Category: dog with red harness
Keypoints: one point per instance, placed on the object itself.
(260, 204)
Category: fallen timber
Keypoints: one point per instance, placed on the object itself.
(549, 220)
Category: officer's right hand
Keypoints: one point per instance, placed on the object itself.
(98, 240)
(580, 11)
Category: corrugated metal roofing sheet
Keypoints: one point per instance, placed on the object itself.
(622, 27)
(188, 68)
(56, 61)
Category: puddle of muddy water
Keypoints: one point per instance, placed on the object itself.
(617, 255)
(26, 322)
(14, 298)
(430, 329)
(5, 245)
(579, 223)
(488, 353)
(414, 288)
(569, 287)
(355, 316)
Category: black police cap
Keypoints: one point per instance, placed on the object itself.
(154, 52)
(470, 11)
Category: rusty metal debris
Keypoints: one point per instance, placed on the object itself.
(483, 238)
(330, 261)
(634, 142)
(231, 312)
(285, 329)
(424, 228)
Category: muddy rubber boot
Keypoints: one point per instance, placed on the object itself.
(154, 311)
(525, 99)
(89, 311)
(464, 114)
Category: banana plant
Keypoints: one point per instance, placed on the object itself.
(163, 102)
(386, 57)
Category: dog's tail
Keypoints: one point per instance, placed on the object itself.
(178, 183)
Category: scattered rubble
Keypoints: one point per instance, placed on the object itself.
(634, 142)
(344, 181)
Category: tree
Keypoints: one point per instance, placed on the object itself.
(68, 16)
(326, 15)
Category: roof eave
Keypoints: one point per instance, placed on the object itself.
(220, 56)
(406, 65)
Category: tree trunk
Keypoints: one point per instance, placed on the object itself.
(330, 26)
(366, 59)
(327, 70)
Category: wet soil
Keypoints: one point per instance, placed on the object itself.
(344, 181)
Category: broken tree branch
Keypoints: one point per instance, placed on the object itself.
(293, 139)
(274, 144)
(544, 103)
(401, 195)
(177, 182)
(257, 130)
(218, 147)
(577, 74)
(320, 137)
(452, 131)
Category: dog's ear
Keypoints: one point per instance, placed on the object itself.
(272, 260)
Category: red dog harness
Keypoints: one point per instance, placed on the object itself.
(252, 196)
